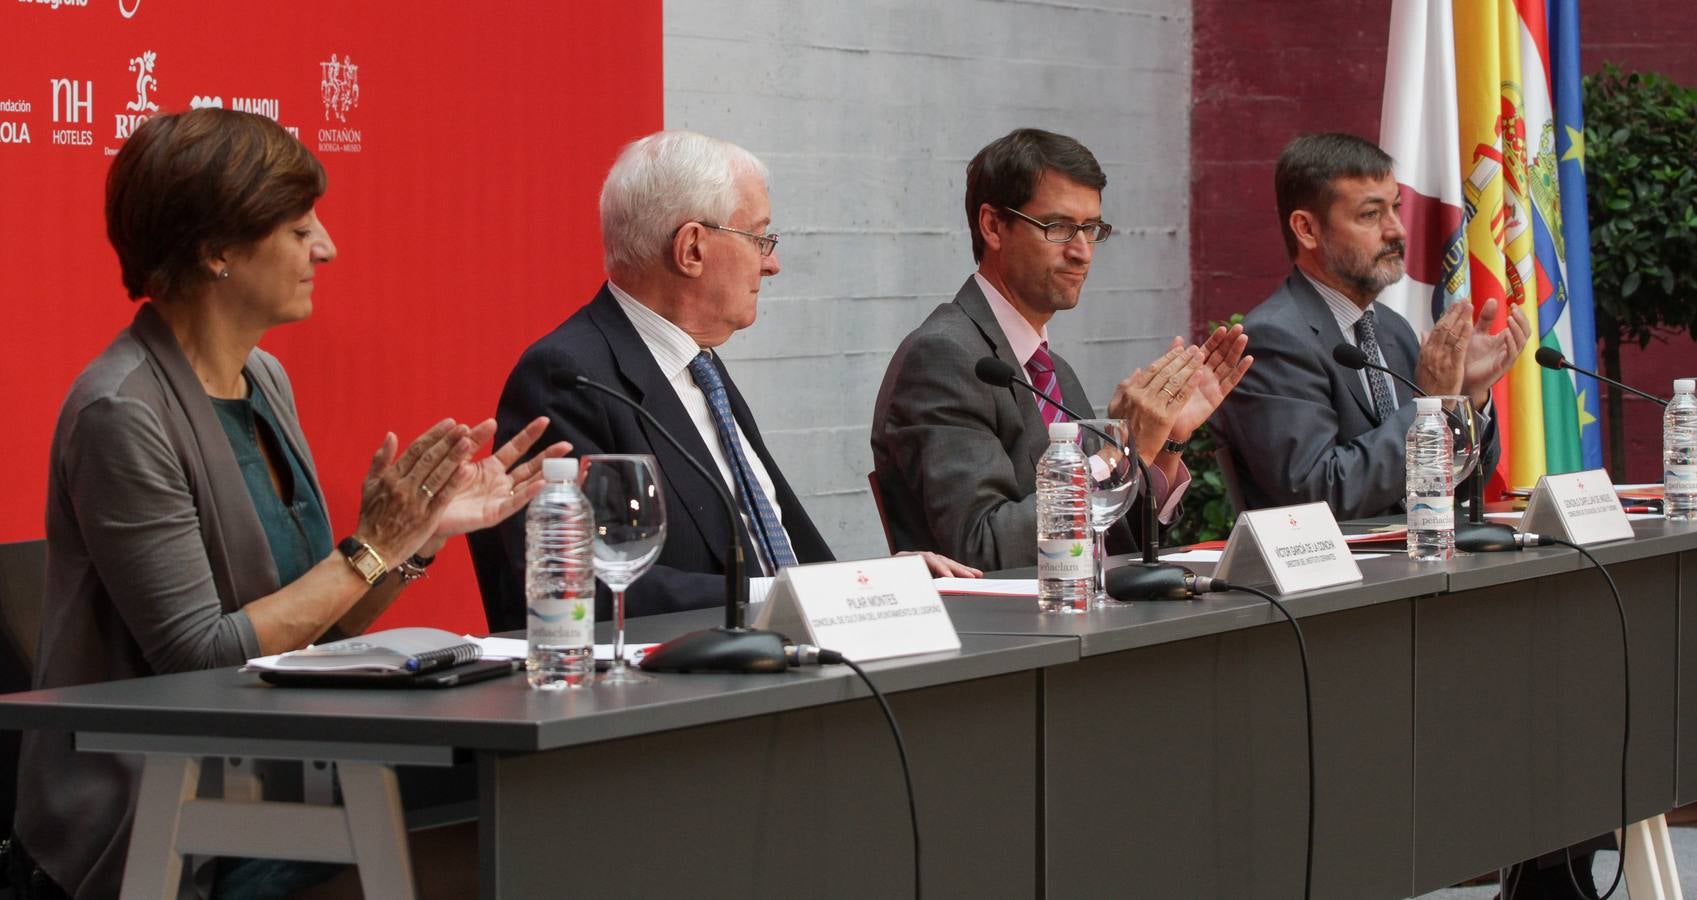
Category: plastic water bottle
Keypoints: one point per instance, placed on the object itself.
(559, 582)
(1066, 563)
(1679, 452)
(1431, 483)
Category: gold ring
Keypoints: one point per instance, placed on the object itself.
(426, 491)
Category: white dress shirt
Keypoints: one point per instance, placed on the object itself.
(1024, 340)
(673, 348)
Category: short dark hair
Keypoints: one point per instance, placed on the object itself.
(1006, 172)
(186, 186)
(1308, 167)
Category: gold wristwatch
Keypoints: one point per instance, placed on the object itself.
(365, 560)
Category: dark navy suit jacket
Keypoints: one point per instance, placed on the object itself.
(602, 345)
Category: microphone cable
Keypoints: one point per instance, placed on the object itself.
(1625, 728)
(801, 655)
(1307, 713)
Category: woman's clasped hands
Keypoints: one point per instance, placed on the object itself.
(411, 503)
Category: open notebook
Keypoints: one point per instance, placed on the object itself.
(398, 657)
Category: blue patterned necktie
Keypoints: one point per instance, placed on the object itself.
(1367, 338)
(767, 529)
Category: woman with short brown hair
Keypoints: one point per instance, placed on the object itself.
(185, 524)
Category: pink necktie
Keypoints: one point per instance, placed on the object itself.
(1041, 368)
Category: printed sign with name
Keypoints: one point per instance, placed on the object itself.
(870, 609)
(1294, 548)
(1581, 507)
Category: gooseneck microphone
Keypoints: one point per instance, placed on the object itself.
(733, 647)
(1351, 357)
(1551, 358)
(1148, 578)
(1493, 535)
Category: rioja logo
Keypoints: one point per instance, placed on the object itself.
(143, 67)
(125, 124)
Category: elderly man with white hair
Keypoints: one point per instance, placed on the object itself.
(684, 221)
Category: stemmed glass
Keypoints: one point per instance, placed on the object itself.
(1464, 445)
(1464, 437)
(630, 525)
(1113, 483)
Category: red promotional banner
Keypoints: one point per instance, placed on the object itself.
(465, 144)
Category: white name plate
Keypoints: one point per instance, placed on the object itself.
(1581, 507)
(1294, 548)
(865, 610)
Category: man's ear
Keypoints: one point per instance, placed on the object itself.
(687, 250)
(990, 226)
(1306, 227)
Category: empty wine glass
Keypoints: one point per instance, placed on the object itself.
(1464, 436)
(630, 526)
(1113, 483)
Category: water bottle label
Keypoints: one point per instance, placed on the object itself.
(561, 623)
(1065, 559)
(1679, 479)
(1431, 513)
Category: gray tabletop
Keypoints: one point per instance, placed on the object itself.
(1385, 578)
(503, 714)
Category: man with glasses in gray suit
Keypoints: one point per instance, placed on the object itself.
(956, 458)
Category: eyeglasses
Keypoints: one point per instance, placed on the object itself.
(766, 242)
(1064, 232)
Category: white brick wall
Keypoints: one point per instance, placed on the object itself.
(867, 112)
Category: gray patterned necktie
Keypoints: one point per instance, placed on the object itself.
(1367, 338)
(774, 544)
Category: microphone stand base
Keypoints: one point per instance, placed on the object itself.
(1148, 581)
(719, 650)
(1484, 537)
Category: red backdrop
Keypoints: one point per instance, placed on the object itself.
(465, 144)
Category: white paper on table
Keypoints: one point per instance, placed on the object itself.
(993, 587)
(1515, 517)
(1213, 556)
(516, 648)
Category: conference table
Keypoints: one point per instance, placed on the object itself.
(1467, 715)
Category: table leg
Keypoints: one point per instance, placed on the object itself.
(372, 799)
(154, 865)
(1644, 876)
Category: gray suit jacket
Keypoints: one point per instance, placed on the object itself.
(1300, 427)
(153, 548)
(956, 459)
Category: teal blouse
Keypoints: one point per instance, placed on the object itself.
(296, 525)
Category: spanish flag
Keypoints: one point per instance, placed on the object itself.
(1494, 200)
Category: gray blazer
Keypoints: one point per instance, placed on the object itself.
(153, 547)
(956, 459)
(1300, 427)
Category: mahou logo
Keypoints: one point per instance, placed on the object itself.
(339, 84)
(139, 108)
(128, 8)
